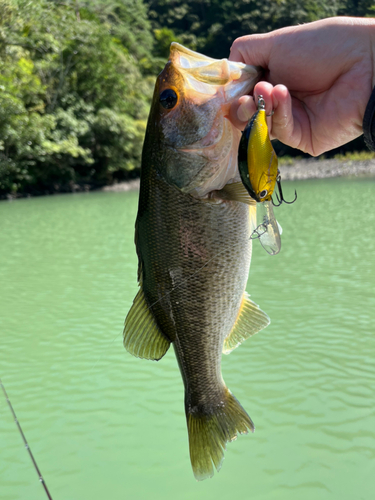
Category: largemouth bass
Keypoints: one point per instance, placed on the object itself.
(193, 243)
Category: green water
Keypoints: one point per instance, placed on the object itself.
(102, 424)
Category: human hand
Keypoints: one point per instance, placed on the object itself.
(318, 80)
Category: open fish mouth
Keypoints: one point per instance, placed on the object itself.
(192, 98)
(206, 75)
(212, 85)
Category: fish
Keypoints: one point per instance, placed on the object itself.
(258, 167)
(192, 237)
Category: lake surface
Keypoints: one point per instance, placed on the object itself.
(102, 424)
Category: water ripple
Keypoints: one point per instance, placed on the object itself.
(102, 423)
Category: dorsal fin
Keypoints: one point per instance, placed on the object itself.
(142, 336)
(250, 320)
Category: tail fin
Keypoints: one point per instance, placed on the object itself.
(210, 431)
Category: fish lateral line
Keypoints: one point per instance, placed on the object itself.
(254, 235)
(179, 285)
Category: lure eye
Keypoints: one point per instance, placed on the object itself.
(263, 193)
(168, 98)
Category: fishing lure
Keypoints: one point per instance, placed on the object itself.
(258, 167)
(257, 160)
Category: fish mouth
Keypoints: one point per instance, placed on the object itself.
(217, 83)
(205, 74)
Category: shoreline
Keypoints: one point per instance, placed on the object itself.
(296, 171)
(324, 169)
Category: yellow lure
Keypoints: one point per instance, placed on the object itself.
(257, 160)
(258, 166)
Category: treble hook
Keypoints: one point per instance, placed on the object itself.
(282, 199)
(278, 199)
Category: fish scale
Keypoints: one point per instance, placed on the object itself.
(177, 252)
(194, 247)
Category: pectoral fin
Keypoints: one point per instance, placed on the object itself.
(142, 336)
(236, 192)
(250, 320)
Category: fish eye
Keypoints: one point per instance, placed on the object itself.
(263, 193)
(168, 98)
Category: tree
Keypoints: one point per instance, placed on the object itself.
(73, 101)
(210, 26)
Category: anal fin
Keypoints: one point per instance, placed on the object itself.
(250, 320)
(142, 336)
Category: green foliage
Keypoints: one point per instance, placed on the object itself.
(164, 37)
(73, 99)
(355, 156)
(210, 26)
(357, 8)
(76, 77)
(288, 160)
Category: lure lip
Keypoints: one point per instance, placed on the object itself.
(268, 231)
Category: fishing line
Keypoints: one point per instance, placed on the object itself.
(26, 443)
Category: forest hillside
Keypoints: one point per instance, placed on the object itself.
(76, 77)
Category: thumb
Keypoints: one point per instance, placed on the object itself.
(252, 49)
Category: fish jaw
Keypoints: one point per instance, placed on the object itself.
(206, 74)
(194, 141)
